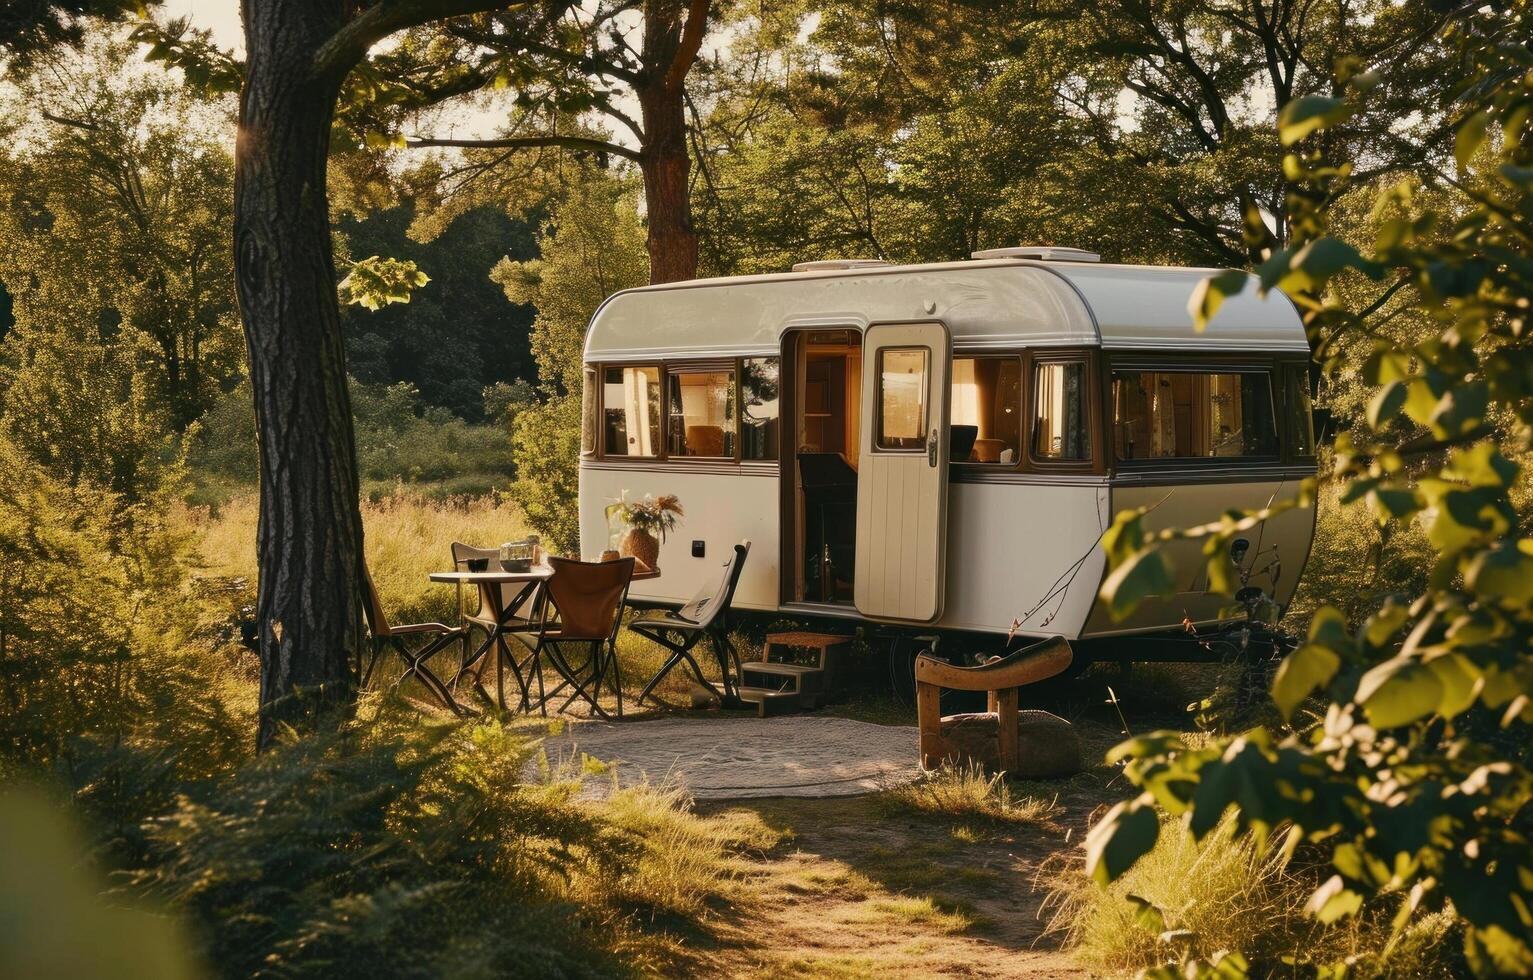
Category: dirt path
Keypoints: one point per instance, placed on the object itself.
(864, 887)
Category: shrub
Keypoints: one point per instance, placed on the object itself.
(1189, 899)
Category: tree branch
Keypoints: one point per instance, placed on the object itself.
(350, 44)
(691, 43)
(527, 142)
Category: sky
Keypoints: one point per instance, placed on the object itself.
(222, 17)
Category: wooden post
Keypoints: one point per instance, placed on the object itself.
(1006, 714)
(929, 717)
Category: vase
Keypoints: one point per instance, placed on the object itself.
(641, 545)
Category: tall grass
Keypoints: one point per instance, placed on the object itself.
(1227, 893)
(405, 536)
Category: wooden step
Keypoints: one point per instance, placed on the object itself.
(769, 701)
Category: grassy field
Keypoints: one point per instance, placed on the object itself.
(960, 875)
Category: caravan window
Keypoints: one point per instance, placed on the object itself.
(1060, 419)
(987, 409)
(902, 398)
(1192, 415)
(701, 414)
(1297, 407)
(631, 411)
(759, 424)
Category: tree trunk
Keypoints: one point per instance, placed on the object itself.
(663, 158)
(310, 536)
(667, 171)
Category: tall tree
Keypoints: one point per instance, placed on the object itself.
(30, 27)
(299, 54)
(565, 67)
(120, 210)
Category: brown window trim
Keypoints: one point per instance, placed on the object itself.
(1022, 422)
(735, 365)
(1162, 361)
(1096, 422)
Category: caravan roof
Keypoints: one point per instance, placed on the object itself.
(1000, 303)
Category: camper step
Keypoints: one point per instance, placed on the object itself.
(769, 701)
(805, 681)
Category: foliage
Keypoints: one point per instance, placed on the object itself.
(29, 28)
(1411, 774)
(592, 247)
(49, 900)
(457, 334)
(1194, 900)
(400, 441)
(376, 282)
(117, 229)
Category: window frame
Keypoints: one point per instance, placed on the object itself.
(711, 366)
(1095, 419)
(875, 443)
(740, 410)
(1266, 366)
(602, 367)
(1023, 421)
(735, 365)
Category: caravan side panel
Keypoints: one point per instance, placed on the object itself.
(1023, 551)
(723, 507)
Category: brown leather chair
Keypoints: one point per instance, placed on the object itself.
(588, 599)
(517, 600)
(387, 636)
(705, 440)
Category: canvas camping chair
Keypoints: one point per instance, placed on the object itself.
(387, 636)
(588, 600)
(706, 616)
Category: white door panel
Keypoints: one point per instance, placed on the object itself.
(902, 472)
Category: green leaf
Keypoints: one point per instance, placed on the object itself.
(1334, 900)
(1301, 672)
(1481, 465)
(1398, 692)
(1123, 836)
(1460, 680)
(1146, 915)
(1146, 575)
(1470, 135)
(1309, 114)
(1503, 573)
(1210, 294)
(1386, 404)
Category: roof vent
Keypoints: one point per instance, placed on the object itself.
(831, 265)
(1043, 253)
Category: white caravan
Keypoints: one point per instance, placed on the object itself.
(943, 445)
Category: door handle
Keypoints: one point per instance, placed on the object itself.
(931, 449)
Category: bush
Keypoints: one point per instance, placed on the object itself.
(399, 440)
(1194, 899)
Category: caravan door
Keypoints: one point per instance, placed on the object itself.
(902, 471)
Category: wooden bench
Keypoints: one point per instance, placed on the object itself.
(1000, 677)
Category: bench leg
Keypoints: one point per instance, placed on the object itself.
(1006, 714)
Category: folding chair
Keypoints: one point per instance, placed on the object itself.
(588, 600)
(707, 615)
(385, 635)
